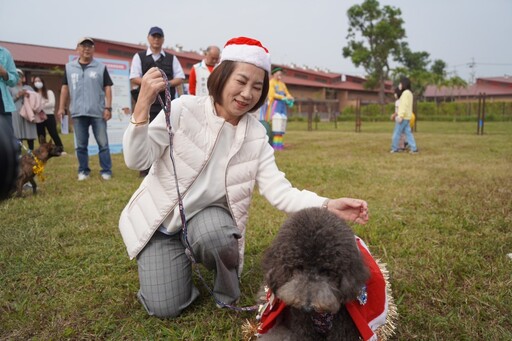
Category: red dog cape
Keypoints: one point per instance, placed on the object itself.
(373, 317)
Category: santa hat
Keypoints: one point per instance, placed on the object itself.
(247, 50)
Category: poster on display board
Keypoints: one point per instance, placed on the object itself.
(119, 72)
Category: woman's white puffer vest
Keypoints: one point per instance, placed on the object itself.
(196, 128)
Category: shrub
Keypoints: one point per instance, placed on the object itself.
(432, 111)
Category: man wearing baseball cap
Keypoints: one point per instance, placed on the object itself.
(88, 84)
(85, 40)
(155, 56)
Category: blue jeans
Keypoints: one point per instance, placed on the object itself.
(400, 128)
(99, 128)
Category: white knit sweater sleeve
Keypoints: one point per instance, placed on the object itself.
(49, 104)
(144, 144)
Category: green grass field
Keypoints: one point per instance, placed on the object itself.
(440, 219)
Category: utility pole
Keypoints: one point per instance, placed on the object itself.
(472, 66)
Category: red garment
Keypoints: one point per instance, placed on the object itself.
(192, 79)
(370, 316)
(367, 317)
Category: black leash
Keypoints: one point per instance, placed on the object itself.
(188, 249)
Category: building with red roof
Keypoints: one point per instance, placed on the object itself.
(495, 88)
(304, 83)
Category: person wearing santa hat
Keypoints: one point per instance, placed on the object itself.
(219, 154)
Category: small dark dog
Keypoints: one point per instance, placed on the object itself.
(314, 270)
(27, 163)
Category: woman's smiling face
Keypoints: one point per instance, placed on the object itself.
(241, 92)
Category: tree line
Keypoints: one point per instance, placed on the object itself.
(376, 37)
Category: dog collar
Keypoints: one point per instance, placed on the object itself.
(269, 311)
(38, 168)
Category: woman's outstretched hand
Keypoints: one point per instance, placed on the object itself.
(355, 210)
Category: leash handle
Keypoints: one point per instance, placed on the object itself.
(166, 106)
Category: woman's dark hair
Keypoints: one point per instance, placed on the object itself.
(406, 83)
(219, 76)
(44, 90)
(398, 92)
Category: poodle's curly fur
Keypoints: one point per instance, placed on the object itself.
(314, 265)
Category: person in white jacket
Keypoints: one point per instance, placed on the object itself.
(220, 154)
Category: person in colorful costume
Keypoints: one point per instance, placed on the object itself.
(279, 99)
(278, 96)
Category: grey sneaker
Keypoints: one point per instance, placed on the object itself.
(82, 176)
(413, 152)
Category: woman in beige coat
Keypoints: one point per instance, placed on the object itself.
(220, 154)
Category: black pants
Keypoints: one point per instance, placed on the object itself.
(51, 125)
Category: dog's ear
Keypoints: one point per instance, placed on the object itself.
(273, 267)
(354, 277)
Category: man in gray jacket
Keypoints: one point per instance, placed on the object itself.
(88, 84)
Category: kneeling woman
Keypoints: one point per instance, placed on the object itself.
(220, 154)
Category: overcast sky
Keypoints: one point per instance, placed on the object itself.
(310, 33)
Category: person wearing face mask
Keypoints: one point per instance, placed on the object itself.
(50, 123)
(23, 128)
